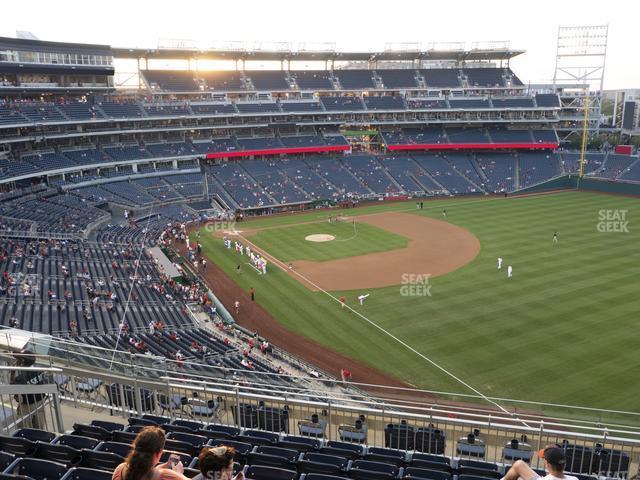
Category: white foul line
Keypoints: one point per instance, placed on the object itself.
(401, 342)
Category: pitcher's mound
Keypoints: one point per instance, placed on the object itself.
(319, 237)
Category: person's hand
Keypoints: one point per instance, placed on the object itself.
(178, 467)
(239, 476)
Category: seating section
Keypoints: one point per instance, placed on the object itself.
(313, 79)
(51, 212)
(485, 77)
(537, 167)
(355, 79)
(171, 80)
(398, 78)
(441, 77)
(342, 104)
(499, 169)
(268, 80)
(92, 451)
(375, 102)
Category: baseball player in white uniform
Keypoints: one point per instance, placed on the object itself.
(509, 271)
(362, 297)
(499, 263)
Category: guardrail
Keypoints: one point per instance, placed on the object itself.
(25, 404)
(159, 386)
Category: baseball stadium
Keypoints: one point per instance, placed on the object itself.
(316, 263)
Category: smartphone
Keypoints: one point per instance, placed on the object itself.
(173, 460)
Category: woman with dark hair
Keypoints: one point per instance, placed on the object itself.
(142, 461)
(217, 464)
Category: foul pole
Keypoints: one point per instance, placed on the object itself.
(585, 131)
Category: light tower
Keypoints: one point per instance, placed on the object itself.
(579, 74)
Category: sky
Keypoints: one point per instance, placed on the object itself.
(354, 25)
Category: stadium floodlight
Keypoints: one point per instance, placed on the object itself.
(581, 56)
(227, 46)
(402, 47)
(260, 46)
(325, 47)
(491, 45)
(446, 46)
(177, 44)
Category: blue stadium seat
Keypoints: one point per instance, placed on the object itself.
(425, 473)
(368, 470)
(320, 476)
(259, 437)
(301, 444)
(260, 472)
(86, 474)
(56, 452)
(312, 462)
(120, 449)
(197, 441)
(223, 431)
(37, 469)
(109, 426)
(100, 460)
(343, 449)
(6, 459)
(377, 454)
(34, 435)
(273, 457)
(77, 442)
(92, 431)
(20, 447)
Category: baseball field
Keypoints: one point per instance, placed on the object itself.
(563, 329)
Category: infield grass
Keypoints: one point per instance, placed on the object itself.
(351, 239)
(564, 329)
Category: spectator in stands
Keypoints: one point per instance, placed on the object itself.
(217, 463)
(345, 374)
(554, 463)
(145, 454)
(73, 326)
(13, 322)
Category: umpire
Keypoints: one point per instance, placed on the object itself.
(30, 405)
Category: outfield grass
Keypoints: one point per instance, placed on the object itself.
(288, 242)
(562, 330)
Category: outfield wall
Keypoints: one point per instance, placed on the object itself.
(586, 183)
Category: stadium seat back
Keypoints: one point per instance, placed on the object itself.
(259, 472)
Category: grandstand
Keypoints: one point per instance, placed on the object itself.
(102, 193)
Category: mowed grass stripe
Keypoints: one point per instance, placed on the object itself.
(560, 331)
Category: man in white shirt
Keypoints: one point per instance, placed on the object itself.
(509, 271)
(554, 463)
(499, 263)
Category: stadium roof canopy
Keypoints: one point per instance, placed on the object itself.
(30, 45)
(275, 55)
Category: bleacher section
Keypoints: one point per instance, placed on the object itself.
(441, 77)
(312, 79)
(268, 80)
(398, 78)
(355, 79)
(485, 77)
(499, 169)
(171, 80)
(537, 167)
(269, 447)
